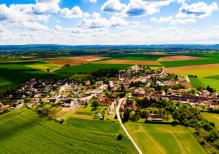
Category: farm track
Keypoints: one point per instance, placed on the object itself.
(123, 127)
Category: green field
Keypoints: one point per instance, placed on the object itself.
(213, 117)
(196, 83)
(157, 139)
(210, 82)
(136, 57)
(189, 62)
(15, 73)
(23, 131)
(90, 68)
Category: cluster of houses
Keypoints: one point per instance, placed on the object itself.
(136, 81)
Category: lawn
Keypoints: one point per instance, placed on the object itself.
(189, 62)
(90, 68)
(157, 138)
(23, 131)
(212, 117)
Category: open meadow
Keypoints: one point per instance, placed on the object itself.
(158, 138)
(23, 131)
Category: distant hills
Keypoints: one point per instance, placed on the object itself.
(177, 47)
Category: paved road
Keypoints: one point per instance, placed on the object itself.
(123, 127)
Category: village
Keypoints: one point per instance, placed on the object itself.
(135, 83)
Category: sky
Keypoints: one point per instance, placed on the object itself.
(109, 22)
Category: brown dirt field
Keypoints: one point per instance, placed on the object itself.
(73, 60)
(139, 62)
(175, 58)
(196, 67)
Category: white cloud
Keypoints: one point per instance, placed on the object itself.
(199, 9)
(146, 7)
(189, 13)
(57, 28)
(95, 23)
(75, 12)
(22, 16)
(117, 22)
(47, 6)
(113, 6)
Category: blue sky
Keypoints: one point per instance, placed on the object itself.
(77, 22)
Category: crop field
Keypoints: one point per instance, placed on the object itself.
(23, 131)
(90, 68)
(44, 67)
(212, 117)
(157, 138)
(72, 60)
(189, 62)
(196, 83)
(15, 73)
(199, 70)
(176, 58)
(133, 62)
(149, 57)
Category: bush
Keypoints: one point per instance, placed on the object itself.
(95, 103)
(119, 137)
(216, 143)
(207, 127)
(201, 141)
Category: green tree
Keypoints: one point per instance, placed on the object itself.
(126, 115)
(176, 115)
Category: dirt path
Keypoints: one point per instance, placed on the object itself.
(123, 127)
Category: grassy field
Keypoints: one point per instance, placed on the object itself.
(189, 62)
(157, 139)
(210, 82)
(23, 131)
(90, 68)
(137, 57)
(15, 73)
(196, 83)
(212, 117)
(44, 67)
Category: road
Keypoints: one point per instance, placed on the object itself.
(123, 127)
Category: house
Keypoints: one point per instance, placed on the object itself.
(1, 105)
(155, 117)
(103, 100)
(66, 102)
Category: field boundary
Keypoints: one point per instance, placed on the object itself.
(123, 127)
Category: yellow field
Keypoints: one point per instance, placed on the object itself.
(44, 67)
(199, 70)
